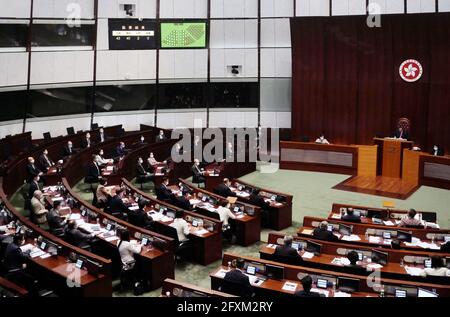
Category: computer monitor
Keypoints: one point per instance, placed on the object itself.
(387, 235)
(144, 241)
(251, 270)
(204, 198)
(273, 197)
(360, 256)
(379, 257)
(195, 222)
(322, 283)
(79, 264)
(373, 213)
(400, 292)
(357, 213)
(427, 263)
(94, 126)
(236, 209)
(43, 245)
(347, 284)
(429, 216)
(295, 245)
(275, 272)
(109, 227)
(404, 236)
(421, 292)
(313, 247)
(345, 230)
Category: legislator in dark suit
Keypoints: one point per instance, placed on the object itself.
(34, 186)
(93, 172)
(287, 255)
(163, 193)
(116, 205)
(324, 234)
(14, 257)
(68, 151)
(402, 134)
(54, 220)
(140, 218)
(182, 202)
(85, 143)
(45, 162)
(77, 238)
(121, 151)
(160, 138)
(241, 281)
(32, 171)
(257, 200)
(142, 174)
(197, 176)
(224, 191)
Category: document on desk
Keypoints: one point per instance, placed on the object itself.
(46, 255)
(27, 247)
(387, 241)
(414, 271)
(166, 219)
(337, 234)
(336, 216)
(352, 237)
(342, 294)
(340, 261)
(320, 291)
(36, 252)
(308, 255)
(243, 194)
(112, 238)
(194, 201)
(133, 208)
(272, 246)
(426, 245)
(201, 232)
(57, 198)
(373, 239)
(374, 266)
(156, 216)
(74, 217)
(307, 231)
(110, 168)
(221, 273)
(388, 223)
(289, 286)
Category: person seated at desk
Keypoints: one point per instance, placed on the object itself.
(256, 200)
(32, 170)
(45, 163)
(182, 201)
(102, 135)
(437, 151)
(161, 137)
(177, 150)
(237, 277)
(93, 172)
(181, 225)
(410, 220)
(127, 251)
(14, 257)
(86, 142)
(76, 237)
(353, 257)
(350, 216)
(38, 207)
(197, 173)
(286, 253)
(224, 189)
(68, 150)
(322, 233)
(102, 194)
(121, 151)
(225, 213)
(101, 160)
(322, 140)
(153, 163)
(55, 221)
(437, 268)
(141, 141)
(142, 175)
(445, 247)
(307, 285)
(163, 192)
(116, 205)
(139, 217)
(401, 134)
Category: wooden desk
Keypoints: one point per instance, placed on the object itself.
(246, 228)
(434, 171)
(10, 289)
(180, 289)
(390, 156)
(304, 156)
(280, 214)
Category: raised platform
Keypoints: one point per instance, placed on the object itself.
(378, 186)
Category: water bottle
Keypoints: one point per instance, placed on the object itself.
(402, 263)
(366, 235)
(229, 265)
(382, 291)
(168, 294)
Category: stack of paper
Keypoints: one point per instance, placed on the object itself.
(290, 286)
(374, 266)
(414, 271)
(74, 217)
(373, 239)
(272, 246)
(133, 207)
(352, 237)
(340, 261)
(221, 273)
(194, 201)
(308, 255)
(320, 291)
(342, 294)
(307, 231)
(336, 216)
(388, 223)
(201, 232)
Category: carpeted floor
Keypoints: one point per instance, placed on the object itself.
(313, 196)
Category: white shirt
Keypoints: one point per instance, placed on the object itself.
(127, 251)
(441, 271)
(322, 141)
(225, 214)
(100, 160)
(182, 227)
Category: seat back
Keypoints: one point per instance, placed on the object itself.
(70, 131)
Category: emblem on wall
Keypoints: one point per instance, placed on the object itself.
(410, 70)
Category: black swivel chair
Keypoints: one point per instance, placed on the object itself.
(70, 131)
(94, 126)
(47, 136)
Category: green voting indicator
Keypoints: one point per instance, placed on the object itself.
(183, 35)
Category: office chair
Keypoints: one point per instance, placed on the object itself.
(94, 126)
(70, 131)
(47, 136)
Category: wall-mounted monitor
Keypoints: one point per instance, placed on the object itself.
(183, 34)
(132, 34)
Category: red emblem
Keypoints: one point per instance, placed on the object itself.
(410, 70)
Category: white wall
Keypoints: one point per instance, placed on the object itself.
(183, 9)
(239, 118)
(277, 8)
(15, 8)
(14, 69)
(57, 125)
(183, 64)
(83, 9)
(130, 120)
(234, 8)
(312, 8)
(111, 8)
(181, 118)
(10, 128)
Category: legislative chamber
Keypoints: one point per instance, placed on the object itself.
(259, 151)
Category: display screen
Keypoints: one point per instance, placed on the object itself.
(127, 34)
(183, 35)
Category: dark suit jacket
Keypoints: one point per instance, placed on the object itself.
(43, 163)
(77, 237)
(224, 191)
(93, 172)
(14, 257)
(440, 151)
(308, 294)
(139, 218)
(100, 137)
(351, 218)
(197, 175)
(54, 220)
(288, 254)
(160, 138)
(163, 193)
(445, 247)
(120, 152)
(67, 151)
(33, 187)
(117, 205)
(32, 171)
(84, 143)
(141, 170)
(323, 234)
(240, 279)
(257, 200)
(404, 136)
(182, 202)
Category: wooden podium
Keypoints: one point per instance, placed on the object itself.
(390, 156)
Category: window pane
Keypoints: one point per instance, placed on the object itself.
(13, 35)
(62, 101)
(61, 35)
(234, 95)
(125, 97)
(182, 96)
(12, 105)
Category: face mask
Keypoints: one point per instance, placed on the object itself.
(101, 153)
(32, 162)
